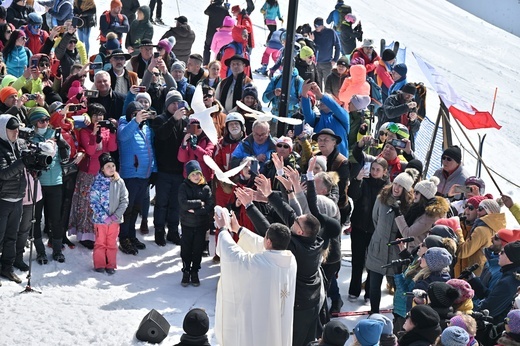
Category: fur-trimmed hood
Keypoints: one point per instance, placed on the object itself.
(438, 207)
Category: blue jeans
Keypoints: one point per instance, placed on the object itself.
(10, 217)
(84, 36)
(166, 211)
(136, 187)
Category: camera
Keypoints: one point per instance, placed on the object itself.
(152, 114)
(75, 108)
(141, 88)
(25, 133)
(107, 124)
(34, 159)
(31, 96)
(156, 55)
(193, 141)
(96, 66)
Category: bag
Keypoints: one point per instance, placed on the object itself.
(69, 168)
(376, 95)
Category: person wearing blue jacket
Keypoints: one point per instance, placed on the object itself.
(137, 163)
(334, 17)
(328, 49)
(332, 115)
(51, 181)
(16, 55)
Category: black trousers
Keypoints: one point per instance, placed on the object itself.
(68, 186)
(376, 280)
(193, 241)
(359, 243)
(158, 14)
(52, 203)
(23, 232)
(10, 216)
(305, 326)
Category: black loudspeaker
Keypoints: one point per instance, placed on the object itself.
(153, 328)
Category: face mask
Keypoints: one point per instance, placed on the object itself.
(41, 131)
(235, 131)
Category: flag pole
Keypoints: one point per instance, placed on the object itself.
(494, 100)
(432, 143)
(478, 155)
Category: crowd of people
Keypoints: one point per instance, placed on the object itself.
(85, 158)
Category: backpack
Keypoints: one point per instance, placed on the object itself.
(120, 19)
(235, 45)
(376, 95)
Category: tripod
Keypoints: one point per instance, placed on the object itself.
(36, 176)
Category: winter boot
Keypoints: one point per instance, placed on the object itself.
(194, 277)
(126, 246)
(205, 252)
(20, 264)
(174, 237)
(67, 242)
(57, 255)
(159, 21)
(137, 244)
(262, 70)
(41, 258)
(185, 275)
(8, 274)
(144, 227)
(159, 237)
(336, 306)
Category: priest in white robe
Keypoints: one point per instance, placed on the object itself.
(255, 294)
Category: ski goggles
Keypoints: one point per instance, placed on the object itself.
(394, 128)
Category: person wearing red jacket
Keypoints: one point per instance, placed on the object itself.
(194, 146)
(237, 47)
(244, 20)
(367, 53)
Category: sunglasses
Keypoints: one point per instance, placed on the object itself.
(156, 74)
(447, 158)
(44, 120)
(480, 208)
(73, 42)
(285, 146)
(23, 38)
(497, 238)
(36, 26)
(208, 95)
(469, 206)
(383, 133)
(118, 58)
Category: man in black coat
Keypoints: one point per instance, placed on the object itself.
(184, 38)
(216, 12)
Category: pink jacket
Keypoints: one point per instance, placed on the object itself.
(90, 163)
(204, 147)
(356, 84)
(221, 38)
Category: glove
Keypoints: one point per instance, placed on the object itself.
(396, 210)
(153, 179)
(466, 275)
(363, 129)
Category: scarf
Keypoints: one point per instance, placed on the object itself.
(395, 167)
(237, 91)
(413, 213)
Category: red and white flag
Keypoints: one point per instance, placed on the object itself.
(461, 110)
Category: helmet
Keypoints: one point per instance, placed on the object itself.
(399, 129)
(235, 116)
(35, 18)
(476, 181)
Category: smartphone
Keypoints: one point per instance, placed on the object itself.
(254, 168)
(74, 108)
(303, 178)
(463, 189)
(75, 21)
(156, 55)
(96, 65)
(57, 133)
(34, 63)
(398, 143)
(184, 104)
(141, 88)
(366, 168)
(91, 93)
(32, 96)
(152, 114)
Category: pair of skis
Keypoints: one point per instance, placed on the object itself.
(382, 47)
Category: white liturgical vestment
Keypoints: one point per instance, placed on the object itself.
(255, 294)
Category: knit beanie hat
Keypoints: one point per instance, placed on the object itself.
(112, 44)
(508, 235)
(442, 295)
(416, 164)
(104, 159)
(402, 69)
(285, 140)
(178, 65)
(513, 321)
(490, 206)
(229, 21)
(475, 201)
(512, 251)
(7, 80)
(193, 166)
(433, 241)
(458, 321)
(454, 336)
(388, 54)
(423, 316)
(74, 90)
(7, 92)
(335, 333)
(444, 232)
(360, 102)
(388, 325)
(454, 153)
(250, 91)
(343, 61)
(405, 180)
(464, 288)
(115, 3)
(37, 113)
(171, 97)
(167, 44)
(368, 332)
(453, 222)
(34, 18)
(427, 188)
(321, 160)
(144, 95)
(306, 52)
(437, 258)
(132, 107)
(196, 322)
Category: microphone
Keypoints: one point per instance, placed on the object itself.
(397, 204)
(397, 262)
(399, 241)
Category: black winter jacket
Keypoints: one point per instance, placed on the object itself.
(216, 13)
(191, 197)
(184, 38)
(364, 194)
(167, 141)
(12, 177)
(306, 71)
(18, 15)
(307, 251)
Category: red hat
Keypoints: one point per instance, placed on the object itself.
(508, 235)
(235, 9)
(452, 222)
(475, 201)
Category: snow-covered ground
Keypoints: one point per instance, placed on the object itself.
(79, 306)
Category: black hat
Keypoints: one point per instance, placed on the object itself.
(388, 55)
(133, 107)
(12, 124)
(423, 316)
(343, 61)
(118, 52)
(335, 333)
(196, 322)
(433, 241)
(454, 153)
(146, 42)
(250, 91)
(416, 164)
(442, 295)
(104, 159)
(182, 20)
(444, 231)
(409, 88)
(327, 132)
(318, 21)
(512, 251)
(236, 57)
